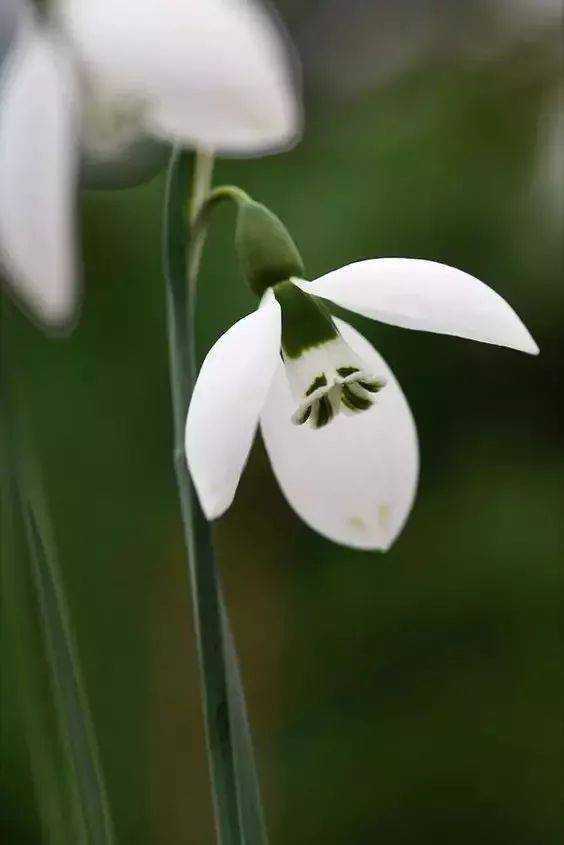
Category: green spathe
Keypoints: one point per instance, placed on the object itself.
(305, 321)
(266, 251)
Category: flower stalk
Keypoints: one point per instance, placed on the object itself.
(266, 252)
(236, 798)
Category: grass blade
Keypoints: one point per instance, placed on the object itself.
(36, 605)
(75, 721)
(248, 789)
(22, 634)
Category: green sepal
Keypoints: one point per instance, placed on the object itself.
(266, 251)
(306, 323)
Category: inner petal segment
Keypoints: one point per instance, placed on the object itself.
(325, 376)
(348, 388)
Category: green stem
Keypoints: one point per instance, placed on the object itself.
(201, 183)
(237, 808)
(200, 219)
(203, 575)
(231, 193)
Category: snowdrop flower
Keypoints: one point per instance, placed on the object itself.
(216, 74)
(337, 428)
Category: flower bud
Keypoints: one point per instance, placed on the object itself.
(266, 251)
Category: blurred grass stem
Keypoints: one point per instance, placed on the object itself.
(66, 769)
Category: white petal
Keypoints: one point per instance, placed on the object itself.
(38, 164)
(353, 481)
(425, 295)
(215, 74)
(228, 397)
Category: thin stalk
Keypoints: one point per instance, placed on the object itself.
(237, 808)
(203, 574)
(204, 161)
(199, 221)
(201, 185)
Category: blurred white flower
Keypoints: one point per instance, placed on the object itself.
(211, 73)
(216, 74)
(337, 428)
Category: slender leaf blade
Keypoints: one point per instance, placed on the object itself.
(52, 684)
(61, 822)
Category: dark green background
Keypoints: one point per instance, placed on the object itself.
(403, 698)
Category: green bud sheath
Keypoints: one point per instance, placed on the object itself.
(266, 251)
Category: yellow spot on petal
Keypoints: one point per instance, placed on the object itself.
(384, 514)
(357, 523)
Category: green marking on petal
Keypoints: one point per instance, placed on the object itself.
(348, 404)
(305, 322)
(324, 412)
(353, 400)
(305, 416)
(372, 386)
(347, 371)
(320, 381)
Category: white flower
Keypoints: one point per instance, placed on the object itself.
(337, 428)
(216, 74)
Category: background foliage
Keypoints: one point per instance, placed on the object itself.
(400, 699)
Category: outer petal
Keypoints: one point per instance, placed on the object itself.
(229, 395)
(353, 481)
(425, 295)
(38, 163)
(213, 73)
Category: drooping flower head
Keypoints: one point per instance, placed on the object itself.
(337, 428)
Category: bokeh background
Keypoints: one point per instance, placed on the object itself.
(404, 698)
